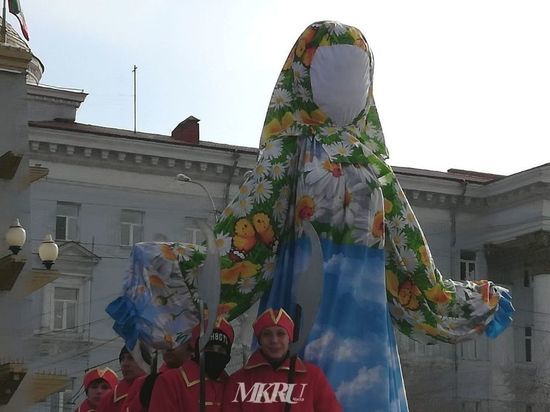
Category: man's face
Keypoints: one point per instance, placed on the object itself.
(274, 342)
(174, 358)
(129, 368)
(96, 390)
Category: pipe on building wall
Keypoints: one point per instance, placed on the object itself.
(236, 157)
(464, 184)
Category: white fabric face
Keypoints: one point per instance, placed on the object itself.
(340, 81)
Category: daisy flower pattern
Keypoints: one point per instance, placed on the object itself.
(408, 259)
(243, 206)
(280, 99)
(338, 149)
(351, 140)
(263, 190)
(324, 177)
(262, 169)
(272, 149)
(299, 72)
(305, 95)
(268, 268)
(246, 285)
(245, 189)
(223, 242)
(337, 29)
(280, 209)
(399, 239)
(278, 171)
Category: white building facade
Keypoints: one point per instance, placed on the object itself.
(107, 189)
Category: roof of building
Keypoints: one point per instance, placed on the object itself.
(129, 134)
(451, 174)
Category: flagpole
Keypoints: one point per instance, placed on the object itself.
(135, 69)
(4, 22)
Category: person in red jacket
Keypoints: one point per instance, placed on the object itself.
(113, 401)
(139, 396)
(178, 390)
(263, 383)
(97, 382)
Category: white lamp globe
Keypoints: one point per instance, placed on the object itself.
(16, 237)
(48, 251)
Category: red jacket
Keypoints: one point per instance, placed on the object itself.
(132, 403)
(258, 387)
(114, 399)
(178, 390)
(85, 407)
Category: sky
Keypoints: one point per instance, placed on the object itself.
(458, 84)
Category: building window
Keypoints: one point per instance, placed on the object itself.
(468, 350)
(528, 344)
(131, 227)
(191, 232)
(467, 265)
(66, 221)
(56, 402)
(61, 401)
(65, 302)
(526, 279)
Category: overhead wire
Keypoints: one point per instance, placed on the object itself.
(59, 359)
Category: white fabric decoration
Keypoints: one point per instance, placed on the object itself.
(340, 80)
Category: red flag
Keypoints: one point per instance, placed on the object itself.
(15, 9)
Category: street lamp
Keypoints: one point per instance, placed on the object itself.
(15, 237)
(48, 251)
(186, 179)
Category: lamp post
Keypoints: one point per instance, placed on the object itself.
(15, 237)
(48, 251)
(186, 179)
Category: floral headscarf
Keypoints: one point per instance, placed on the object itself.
(293, 110)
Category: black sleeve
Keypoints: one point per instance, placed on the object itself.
(147, 389)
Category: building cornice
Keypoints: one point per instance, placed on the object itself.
(434, 191)
(516, 182)
(66, 96)
(95, 146)
(14, 59)
(138, 155)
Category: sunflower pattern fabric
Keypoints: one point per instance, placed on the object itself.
(323, 159)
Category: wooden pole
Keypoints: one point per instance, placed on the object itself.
(202, 363)
(292, 370)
